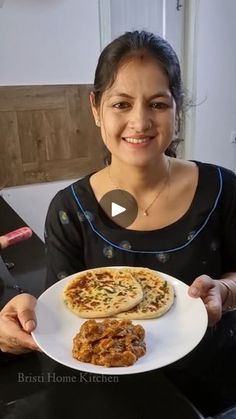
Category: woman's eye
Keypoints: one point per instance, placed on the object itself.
(159, 105)
(121, 105)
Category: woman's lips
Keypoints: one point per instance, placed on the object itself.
(137, 141)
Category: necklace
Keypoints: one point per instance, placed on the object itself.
(146, 209)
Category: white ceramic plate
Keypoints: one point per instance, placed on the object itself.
(168, 338)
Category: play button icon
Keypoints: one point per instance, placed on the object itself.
(116, 209)
(120, 206)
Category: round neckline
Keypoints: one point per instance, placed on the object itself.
(153, 231)
(170, 238)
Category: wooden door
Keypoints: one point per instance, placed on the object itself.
(47, 133)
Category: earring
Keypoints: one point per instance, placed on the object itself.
(97, 122)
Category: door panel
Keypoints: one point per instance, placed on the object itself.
(47, 133)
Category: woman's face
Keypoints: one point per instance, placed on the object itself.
(137, 113)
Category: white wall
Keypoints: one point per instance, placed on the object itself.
(216, 82)
(48, 41)
(133, 14)
(155, 16)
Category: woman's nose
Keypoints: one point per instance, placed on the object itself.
(140, 119)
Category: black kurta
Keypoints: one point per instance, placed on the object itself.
(79, 235)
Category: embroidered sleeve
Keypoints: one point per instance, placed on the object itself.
(63, 238)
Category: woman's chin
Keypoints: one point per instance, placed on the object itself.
(137, 162)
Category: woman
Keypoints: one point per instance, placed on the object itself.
(186, 218)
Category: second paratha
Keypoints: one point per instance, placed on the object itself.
(158, 295)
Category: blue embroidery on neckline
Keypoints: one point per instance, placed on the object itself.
(151, 251)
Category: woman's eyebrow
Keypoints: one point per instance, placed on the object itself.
(119, 94)
(161, 94)
(155, 95)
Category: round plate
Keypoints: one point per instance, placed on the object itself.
(168, 338)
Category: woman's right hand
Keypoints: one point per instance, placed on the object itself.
(17, 321)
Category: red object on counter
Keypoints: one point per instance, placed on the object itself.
(15, 236)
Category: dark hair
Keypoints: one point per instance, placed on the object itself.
(130, 44)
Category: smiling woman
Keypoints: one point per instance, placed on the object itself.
(137, 126)
(186, 219)
(136, 51)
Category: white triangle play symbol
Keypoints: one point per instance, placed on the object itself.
(116, 209)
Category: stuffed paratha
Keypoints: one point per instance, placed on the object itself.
(102, 292)
(158, 295)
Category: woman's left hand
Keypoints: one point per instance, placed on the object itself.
(212, 292)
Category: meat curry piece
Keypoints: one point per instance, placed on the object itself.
(110, 343)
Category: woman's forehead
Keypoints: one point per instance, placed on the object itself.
(137, 73)
(141, 60)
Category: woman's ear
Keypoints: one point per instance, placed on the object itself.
(94, 109)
